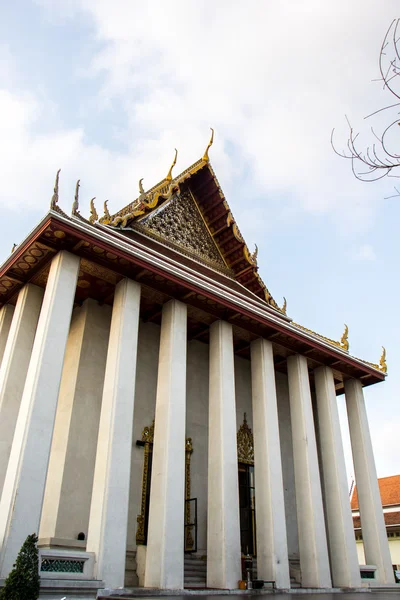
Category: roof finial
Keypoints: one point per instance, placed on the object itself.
(205, 157)
(283, 309)
(106, 218)
(13, 248)
(75, 206)
(169, 176)
(382, 361)
(106, 211)
(93, 212)
(54, 200)
(141, 188)
(253, 255)
(344, 340)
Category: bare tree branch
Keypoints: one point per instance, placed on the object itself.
(379, 158)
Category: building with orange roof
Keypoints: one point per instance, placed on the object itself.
(389, 488)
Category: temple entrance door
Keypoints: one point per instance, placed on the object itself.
(247, 509)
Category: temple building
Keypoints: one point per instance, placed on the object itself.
(161, 415)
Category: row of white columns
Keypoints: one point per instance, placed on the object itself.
(30, 376)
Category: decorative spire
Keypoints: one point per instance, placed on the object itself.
(205, 157)
(344, 340)
(283, 309)
(253, 255)
(382, 360)
(75, 206)
(93, 212)
(106, 211)
(54, 200)
(169, 176)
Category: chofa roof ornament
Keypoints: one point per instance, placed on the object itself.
(205, 156)
(54, 200)
(169, 176)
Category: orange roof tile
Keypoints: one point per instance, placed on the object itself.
(391, 518)
(389, 488)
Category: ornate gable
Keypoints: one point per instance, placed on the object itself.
(179, 222)
(215, 236)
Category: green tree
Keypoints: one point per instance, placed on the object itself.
(23, 582)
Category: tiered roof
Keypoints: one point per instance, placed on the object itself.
(180, 240)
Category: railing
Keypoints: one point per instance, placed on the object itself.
(191, 525)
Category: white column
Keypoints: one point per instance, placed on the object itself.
(272, 551)
(314, 561)
(165, 539)
(14, 367)
(376, 545)
(223, 526)
(21, 502)
(341, 540)
(110, 496)
(6, 315)
(67, 498)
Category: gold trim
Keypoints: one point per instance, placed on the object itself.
(382, 361)
(148, 439)
(344, 340)
(284, 307)
(318, 335)
(245, 443)
(106, 218)
(169, 176)
(93, 212)
(75, 205)
(208, 229)
(189, 541)
(210, 143)
(54, 200)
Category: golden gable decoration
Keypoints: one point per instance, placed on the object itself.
(245, 443)
(179, 222)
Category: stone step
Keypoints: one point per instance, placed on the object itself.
(201, 568)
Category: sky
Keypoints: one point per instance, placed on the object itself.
(106, 91)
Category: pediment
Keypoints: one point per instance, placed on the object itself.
(179, 222)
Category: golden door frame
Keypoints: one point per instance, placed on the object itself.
(147, 439)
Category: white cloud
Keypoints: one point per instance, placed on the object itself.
(365, 252)
(273, 79)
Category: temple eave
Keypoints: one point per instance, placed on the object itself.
(107, 257)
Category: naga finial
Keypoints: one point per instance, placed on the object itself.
(253, 255)
(75, 206)
(205, 156)
(141, 188)
(169, 176)
(106, 218)
(106, 211)
(382, 361)
(93, 212)
(344, 340)
(13, 248)
(54, 200)
(284, 306)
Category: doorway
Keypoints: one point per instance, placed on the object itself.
(247, 509)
